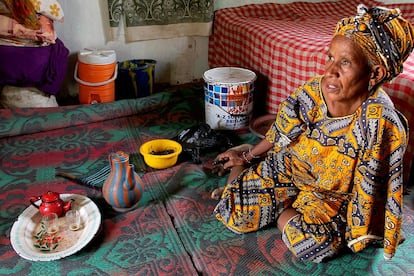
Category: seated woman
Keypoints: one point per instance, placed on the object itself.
(331, 176)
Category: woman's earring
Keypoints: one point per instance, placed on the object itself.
(370, 86)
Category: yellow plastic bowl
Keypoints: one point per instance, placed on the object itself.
(157, 153)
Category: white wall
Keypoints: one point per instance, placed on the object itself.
(179, 60)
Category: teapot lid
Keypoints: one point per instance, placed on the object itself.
(50, 196)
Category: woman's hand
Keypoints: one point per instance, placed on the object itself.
(239, 156)
(226, 160)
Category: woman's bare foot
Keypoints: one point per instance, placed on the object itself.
(216, 194)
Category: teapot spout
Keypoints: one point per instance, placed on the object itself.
(132, 180)
(68, 205)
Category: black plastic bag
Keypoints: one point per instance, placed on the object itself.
(200, 138)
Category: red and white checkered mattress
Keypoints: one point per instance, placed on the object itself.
(286, 44)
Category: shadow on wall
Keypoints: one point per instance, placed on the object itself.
(70, 87)
(260, 95)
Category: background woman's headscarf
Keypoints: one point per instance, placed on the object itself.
(383, 35)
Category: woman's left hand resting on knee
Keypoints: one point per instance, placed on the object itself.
(235, 159)
(242, 155)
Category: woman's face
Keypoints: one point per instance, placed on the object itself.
(347, 75)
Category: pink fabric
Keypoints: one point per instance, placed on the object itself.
(287, 44)
(11, 29)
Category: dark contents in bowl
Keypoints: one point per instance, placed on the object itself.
(163, 152)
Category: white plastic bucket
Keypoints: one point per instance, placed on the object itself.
(228, 97)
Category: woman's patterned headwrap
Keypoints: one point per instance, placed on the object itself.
(384, 36)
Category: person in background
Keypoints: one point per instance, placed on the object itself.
(329, 171)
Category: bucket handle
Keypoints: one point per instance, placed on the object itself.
(75, 75)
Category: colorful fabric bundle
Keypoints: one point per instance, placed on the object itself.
(23, 12)
(34, 61)
(29, 22)
(18, 34)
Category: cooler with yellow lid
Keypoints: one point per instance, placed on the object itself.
(96, 71)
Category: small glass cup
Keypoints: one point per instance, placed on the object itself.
(73, 220)
(51, 223)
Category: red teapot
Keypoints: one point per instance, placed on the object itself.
(51, 203)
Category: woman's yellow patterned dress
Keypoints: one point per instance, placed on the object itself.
(343, 175)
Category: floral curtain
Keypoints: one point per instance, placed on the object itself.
(156, 19)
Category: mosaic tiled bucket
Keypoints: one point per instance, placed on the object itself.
(228, 97)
